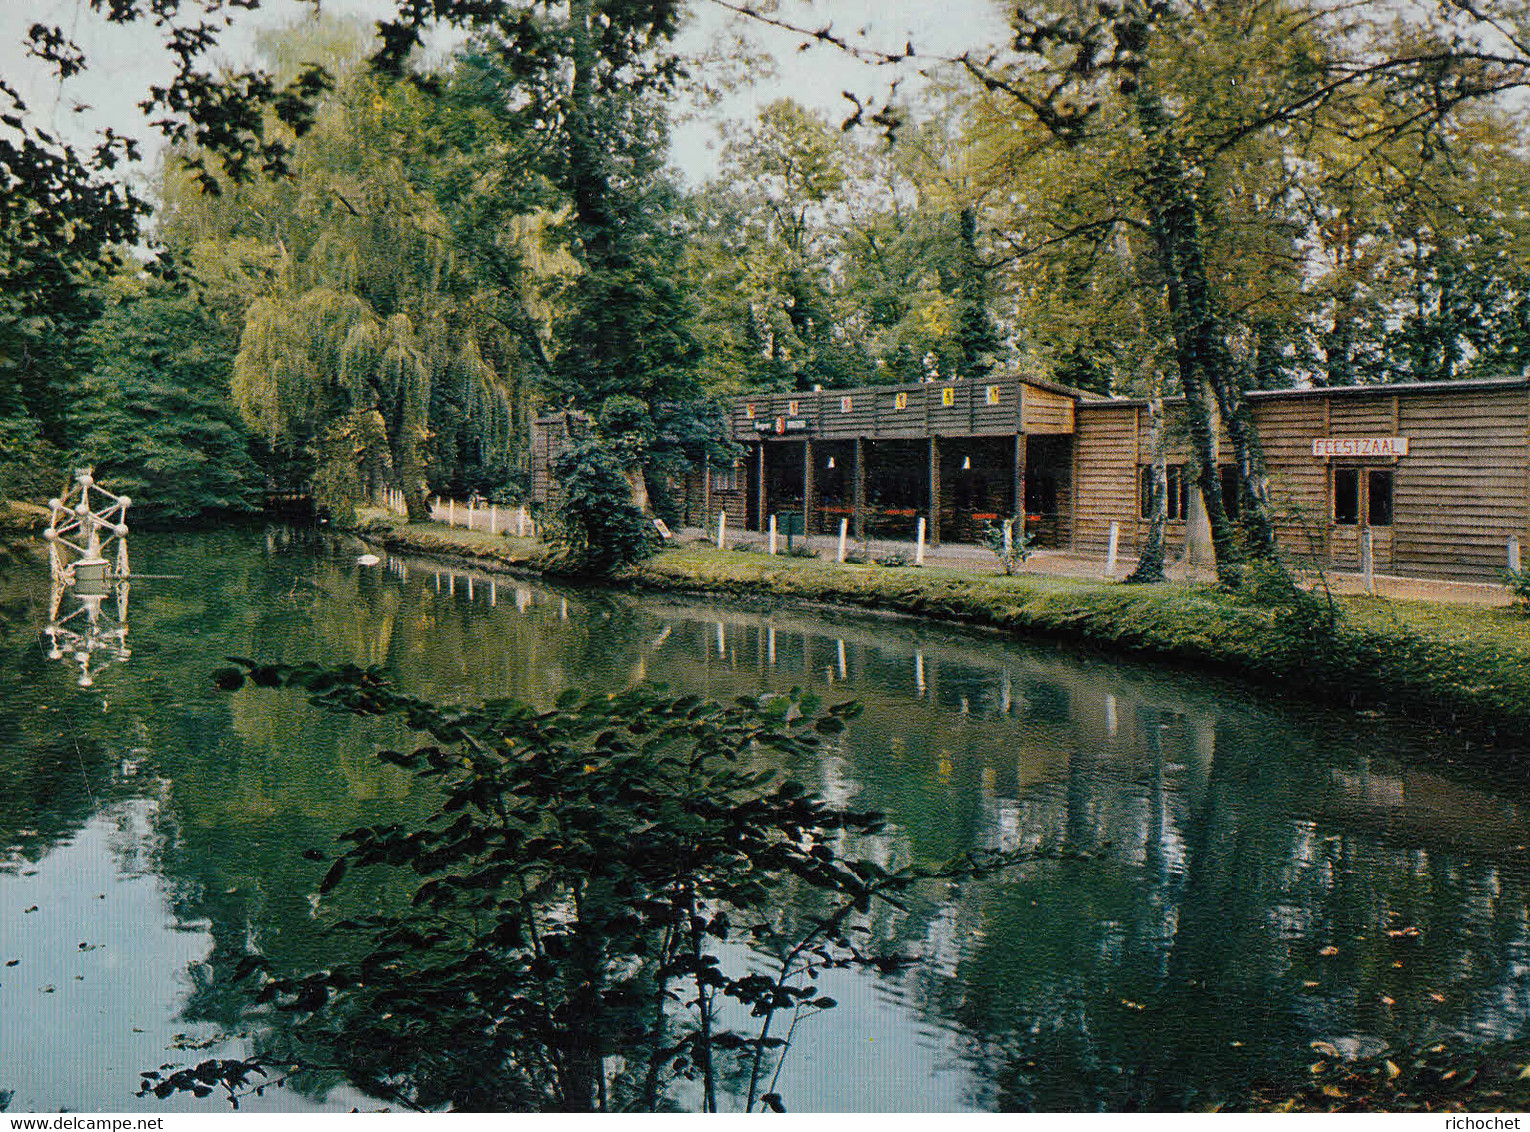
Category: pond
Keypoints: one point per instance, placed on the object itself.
(1240, 878)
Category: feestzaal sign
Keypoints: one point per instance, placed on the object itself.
(1363, 446)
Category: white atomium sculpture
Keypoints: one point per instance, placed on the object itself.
(88, 561)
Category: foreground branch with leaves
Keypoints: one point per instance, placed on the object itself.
(623, 903)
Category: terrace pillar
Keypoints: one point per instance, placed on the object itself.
(859, 499)
(759, 486)
(934, 480)
(807, 489)
(1017, 486)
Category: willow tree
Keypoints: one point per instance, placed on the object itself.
(372, 347)
(355, 386)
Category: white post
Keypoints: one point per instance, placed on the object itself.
(1009, 541)
(1514, 556)
(919, 548)
(451, 512)
(722, 528)
(772, 534)
(1368, 559)
(844, 529)
(494, 518)
(520, 520)
(1110, 553)
(470, 514)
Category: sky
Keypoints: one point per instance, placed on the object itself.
(124, 61)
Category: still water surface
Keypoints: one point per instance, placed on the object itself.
(1248, 877)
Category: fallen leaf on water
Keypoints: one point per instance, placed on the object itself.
(1329, 952)
(1392, 1070)
(1388, 1000)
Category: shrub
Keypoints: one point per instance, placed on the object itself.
(894, 559)
(595, 527)
(1518, 582)
(1019, 548)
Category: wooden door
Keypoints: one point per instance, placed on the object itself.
(1362, 500)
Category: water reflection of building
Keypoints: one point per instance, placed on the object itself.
(1209, 851)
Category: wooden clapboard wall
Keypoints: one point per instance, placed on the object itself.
(550, 434)
(1048, 412)
(1461, 490)
(1300, 489)
(1105, 467)
(911, 412)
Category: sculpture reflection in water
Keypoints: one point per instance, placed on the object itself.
(88, 562)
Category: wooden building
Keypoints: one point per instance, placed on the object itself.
(1437, 473)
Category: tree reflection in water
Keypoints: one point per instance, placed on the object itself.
(1243, 879)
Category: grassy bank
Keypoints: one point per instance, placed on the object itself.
(1463, 668)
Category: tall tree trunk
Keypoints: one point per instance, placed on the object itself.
(1207, 373)
(589, 181)
(406, 443)
(1149, 566)
(1253, 485)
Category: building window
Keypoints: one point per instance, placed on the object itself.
(1379, 498)
(993, 394)
(1229, 476)
(1346, 497)
(725, 479)
(1179, 492)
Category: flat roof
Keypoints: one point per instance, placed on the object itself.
(895, 387)
(1465, 385)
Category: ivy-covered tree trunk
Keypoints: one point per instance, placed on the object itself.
(1201, 357)
(1149, 566)
(1253, 485)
